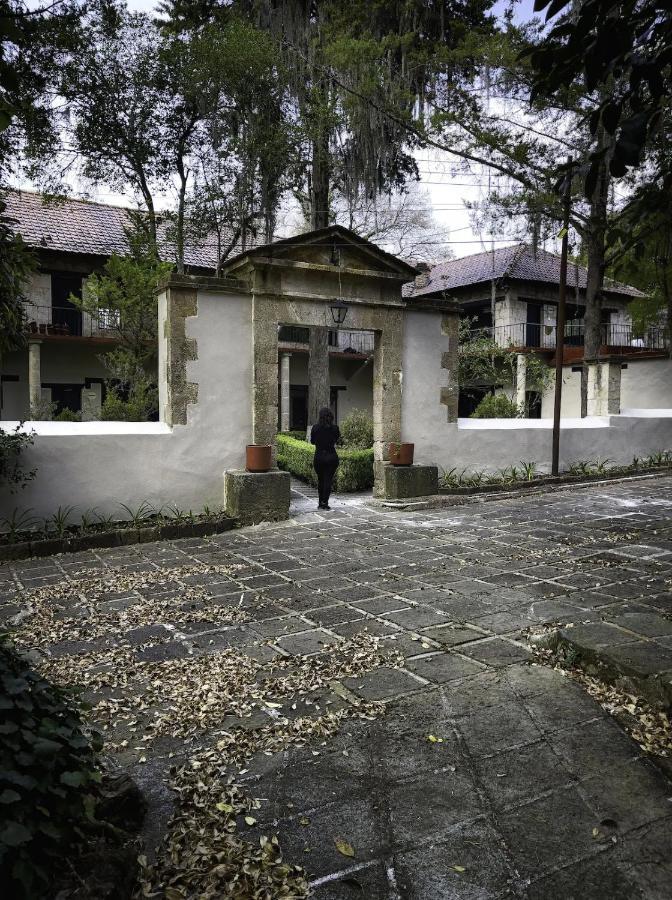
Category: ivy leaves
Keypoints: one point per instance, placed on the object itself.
(46, 777)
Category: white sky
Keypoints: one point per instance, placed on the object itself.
(446, 192)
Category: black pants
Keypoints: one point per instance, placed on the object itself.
(326, 469)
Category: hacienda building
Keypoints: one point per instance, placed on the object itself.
(522, 283)
(61, 363)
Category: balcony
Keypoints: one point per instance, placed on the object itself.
(355, 343)
(615, 338)
(58, 321)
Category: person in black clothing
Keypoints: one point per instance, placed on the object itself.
(325, 435)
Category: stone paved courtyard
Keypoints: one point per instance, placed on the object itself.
(486, 776)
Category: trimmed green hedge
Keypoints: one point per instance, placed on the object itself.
(355, 472)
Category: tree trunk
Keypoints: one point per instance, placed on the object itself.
(179, 230)
(595, 235)
(320, 177)
(318, 372)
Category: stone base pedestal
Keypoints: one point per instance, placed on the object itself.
(402, 482)
(251, 497)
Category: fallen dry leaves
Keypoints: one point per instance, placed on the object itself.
(236, 705)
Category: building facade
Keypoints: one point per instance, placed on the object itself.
(511, 296)
(61, 367)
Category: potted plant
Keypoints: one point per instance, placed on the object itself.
(258, 457)
(401, 454)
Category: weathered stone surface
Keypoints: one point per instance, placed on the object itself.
(252, 497)
(410, 481)
(525, 765)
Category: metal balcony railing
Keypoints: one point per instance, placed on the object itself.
(528, 335)
(70, 322)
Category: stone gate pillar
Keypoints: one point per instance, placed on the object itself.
(604, 388)
(176, 304)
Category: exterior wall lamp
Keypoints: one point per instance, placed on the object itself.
(339, 311)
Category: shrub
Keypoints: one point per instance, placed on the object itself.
(67, 415)
(298, 435)
(357, 431)
(496, 406)
(12, 445)
(46, 778)
(42, 411)
(355, 472)
(140, 406)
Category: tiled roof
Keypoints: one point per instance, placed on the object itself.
(80, 226)
(520, 262)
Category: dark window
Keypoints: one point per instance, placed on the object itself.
(66, 396)
(298, 407)
(533, 404)
(64, 312)
(468, 401)
(533, 328)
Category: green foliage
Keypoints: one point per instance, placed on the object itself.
(16, 265)
(121, 299)
(355, 471)
(47, 778)
(496, 406)
(299, 435)
(43, 410)
(12, 445)
(131, 395)
(598, 41)
(357, 431)
(67, 415)
(482, 362)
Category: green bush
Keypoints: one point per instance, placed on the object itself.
(496, 406)
(355, 472)
(12, 445)
(357, 431)
(47, 776)
(67, 415)
(298, 435)
(141, 405)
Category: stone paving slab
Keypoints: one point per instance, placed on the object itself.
(524, 766)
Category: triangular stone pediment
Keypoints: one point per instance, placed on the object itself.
(331, 247)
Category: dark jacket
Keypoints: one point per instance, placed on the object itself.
(325, 438)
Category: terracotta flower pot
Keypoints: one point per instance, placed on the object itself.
(258, 457)
(401, 454)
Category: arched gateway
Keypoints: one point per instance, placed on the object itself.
(294, 282)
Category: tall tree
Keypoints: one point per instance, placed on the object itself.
(520, 137)
(150, 110)
(350, 65)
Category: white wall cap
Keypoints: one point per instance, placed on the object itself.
(52, 429)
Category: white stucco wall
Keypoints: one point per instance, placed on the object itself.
(490, 444)
(103, 464)
(647, 384)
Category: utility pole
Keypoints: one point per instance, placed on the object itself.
(562, 316)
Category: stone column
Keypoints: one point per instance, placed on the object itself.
(387, 378)
(91, 403)
(176, 393)
(34, 374)
(284, 391)
(604, 388)
(521, 380)
(450, 392)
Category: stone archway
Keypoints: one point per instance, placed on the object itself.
(293, 282)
